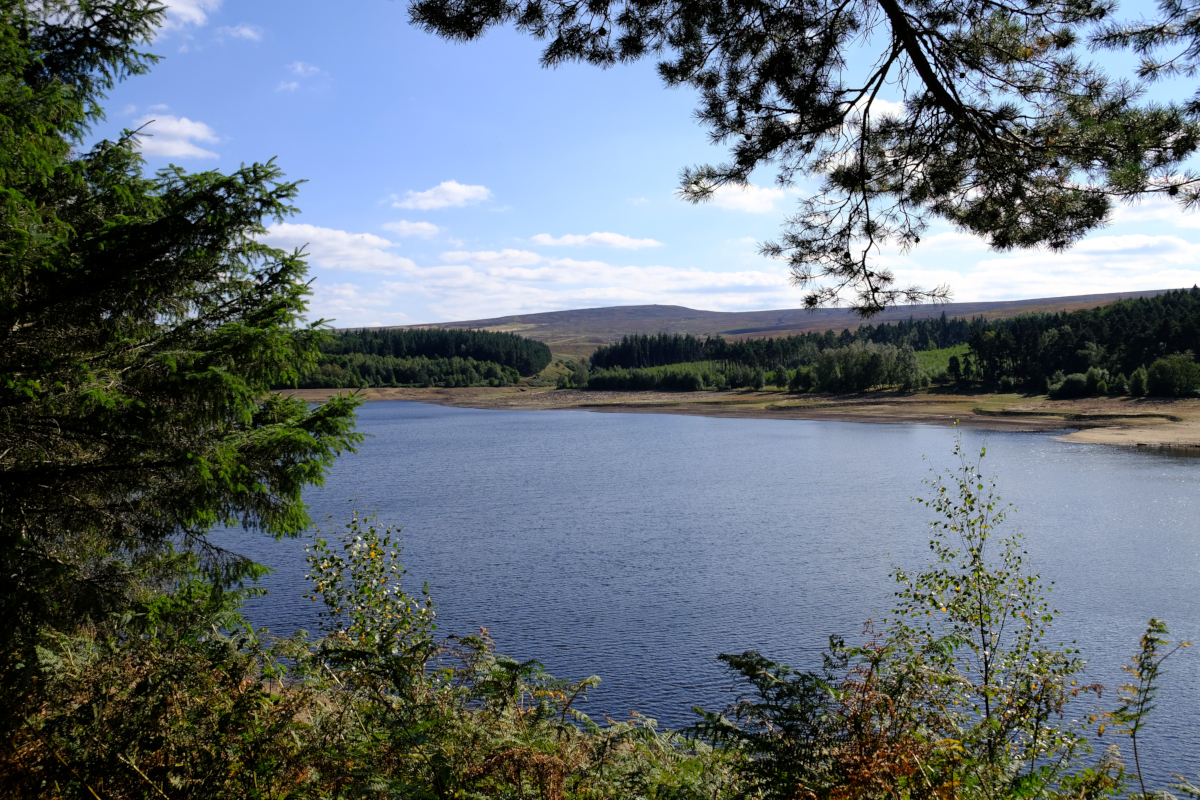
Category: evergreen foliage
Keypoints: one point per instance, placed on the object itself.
(526, 356)
(1103, 342)
(641, 350)
(359, 370)
(423, 357)
(141, 327)
(1120, 337)
(856, 367)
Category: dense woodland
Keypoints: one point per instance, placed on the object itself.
(641, 350)
(1119, 338)
(424, 357)
(1139, 346)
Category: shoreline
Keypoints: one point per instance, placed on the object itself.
(1132, 422)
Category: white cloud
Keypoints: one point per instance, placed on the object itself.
(303, 69)
(755, 199)
(181, 13)
(348, 304)
(490, 283)
(887, 108)
(1123, 263)
(955, 241)
(406, 228)
(1156, 210)
(638, 201)
(596, 239)
(242, 31)
(448, 194)
(287, 86)
(172, 137)
(330, 249)
(491, 258)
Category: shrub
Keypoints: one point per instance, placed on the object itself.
(1101, 388)
(1006, 384)
(1120, 385)
(1173, 376)
(1137, 382)
(1074, 385)
(959, 688)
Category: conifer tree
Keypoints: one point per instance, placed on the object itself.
(141, 326)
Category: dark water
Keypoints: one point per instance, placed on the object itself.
(638, 547)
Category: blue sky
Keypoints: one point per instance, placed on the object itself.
(449, 182)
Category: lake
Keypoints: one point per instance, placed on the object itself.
(637, 547)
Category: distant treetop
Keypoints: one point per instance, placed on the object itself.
(526, 356)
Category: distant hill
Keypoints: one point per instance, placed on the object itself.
(577, 333)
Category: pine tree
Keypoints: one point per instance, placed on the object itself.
(1004, 130)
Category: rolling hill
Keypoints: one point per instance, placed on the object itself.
(577, 333)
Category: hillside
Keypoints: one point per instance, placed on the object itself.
(577, 333)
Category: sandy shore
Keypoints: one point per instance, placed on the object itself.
(1141, 422)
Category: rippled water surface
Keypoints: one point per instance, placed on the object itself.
(639, 546)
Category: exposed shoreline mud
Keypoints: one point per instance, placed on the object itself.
(1143, 422)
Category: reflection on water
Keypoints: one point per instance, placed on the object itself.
(638, 547)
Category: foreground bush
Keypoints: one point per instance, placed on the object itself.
(166, 704)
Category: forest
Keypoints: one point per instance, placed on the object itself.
(424, 357)
(657, 350)
(1141, 346)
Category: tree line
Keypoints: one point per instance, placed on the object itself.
(1141, 346)
(359, 370)
(856, 367)
(1114, 343)
(423, 357)
(637, 351)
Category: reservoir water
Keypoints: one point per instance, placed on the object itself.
(637, 547)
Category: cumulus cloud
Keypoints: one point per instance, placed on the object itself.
(242, 31)
(406, 228)
(1122, 263)
(493, 258)
(349, 304)
(1156, 210)
(488, 283)
(448, 194)
(287, 86)
(174, 137)
(597, 239)
(755, 199)
(330, 249)
(303, 69)
(181, 13)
